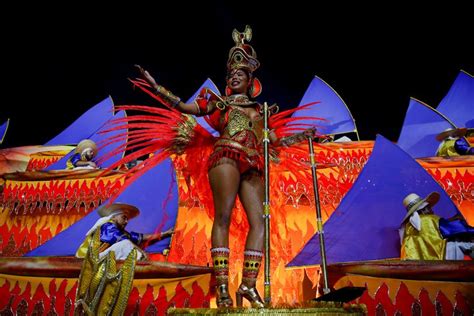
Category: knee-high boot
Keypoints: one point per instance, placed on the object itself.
(247, 289)
(220, 262)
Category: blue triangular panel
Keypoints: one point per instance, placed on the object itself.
(86, 125)
(336, 115)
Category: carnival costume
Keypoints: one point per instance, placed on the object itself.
(112, 238)
(453, 143)
(165, 132)
(79, 153)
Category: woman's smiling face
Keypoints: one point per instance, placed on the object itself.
(238, 81)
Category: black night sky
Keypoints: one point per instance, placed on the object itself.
(58, 64)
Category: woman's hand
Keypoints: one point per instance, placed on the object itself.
(310, 132)
(148, 78)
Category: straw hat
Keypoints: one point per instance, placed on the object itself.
(413, 202)
(127, 209)
(86, 143)
(451, 132)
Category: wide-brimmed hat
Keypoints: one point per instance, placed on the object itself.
(127, 209)
(451, 132)
(86, 143)
(413, 202)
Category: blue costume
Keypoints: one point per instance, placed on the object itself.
(72, 162)
(451, 147)
(111, 234)
(455, 229)
(459, 236)
(463, 147)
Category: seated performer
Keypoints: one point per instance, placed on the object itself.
(426, 236)
(114, 237)
(85, 151)
(454, 143)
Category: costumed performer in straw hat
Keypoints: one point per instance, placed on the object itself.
(426, 236)
(114, 237)
(83, 157)
(453, 143)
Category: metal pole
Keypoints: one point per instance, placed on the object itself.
(266, 205)
(319, 220)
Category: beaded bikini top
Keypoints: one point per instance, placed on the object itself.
(241, 100)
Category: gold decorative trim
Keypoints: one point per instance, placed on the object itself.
(103, 290)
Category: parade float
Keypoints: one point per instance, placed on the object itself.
(46, 210)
